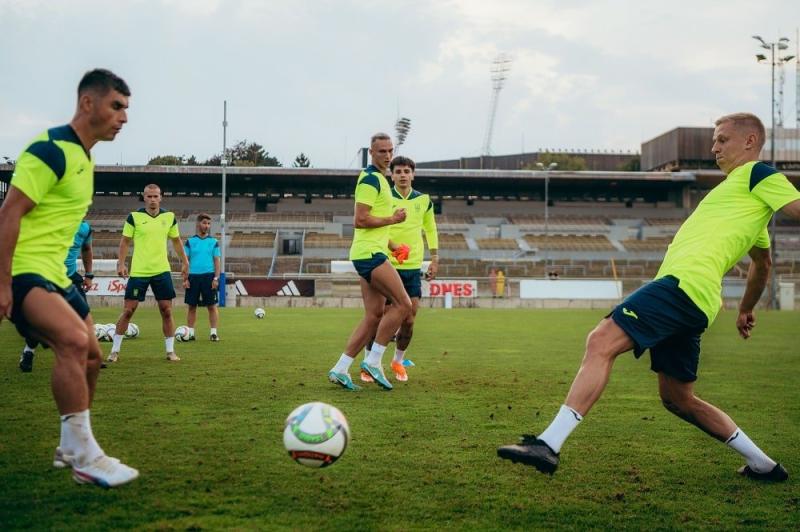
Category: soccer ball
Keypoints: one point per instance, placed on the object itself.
(182, 334)
(100, 332)
(133, 331)
(259, 313)
(316, 434)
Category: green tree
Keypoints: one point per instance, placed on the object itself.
(167, 160)
(564, 161)
(173, 160)
(634, 165)
(301, 161)
(244, 153)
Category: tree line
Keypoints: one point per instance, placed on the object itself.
(243, 153)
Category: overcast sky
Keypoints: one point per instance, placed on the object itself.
(319, 77)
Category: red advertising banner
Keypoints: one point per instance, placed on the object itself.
(442, 287)
(108, 286)
(275, 287)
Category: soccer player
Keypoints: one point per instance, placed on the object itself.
(149, 228)
(669, 314)
(202, 251)
(419, 219)
(379, 281)
(50, 192)
(82, 244)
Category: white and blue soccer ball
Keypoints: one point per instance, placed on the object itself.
(259, 313)
(100, 332)
(316, 434)
(133, 331)
(182, 334)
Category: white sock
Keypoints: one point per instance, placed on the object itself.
(191, 331)
(562, 426)
(77, 439)
(756, 459)
(170, 344)
(213, 330)
(399, 354)
(117, 343)
(343, 366)
(27, 349)
(376, 354)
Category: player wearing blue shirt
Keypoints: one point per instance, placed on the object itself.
(81, 245)
(202, 250)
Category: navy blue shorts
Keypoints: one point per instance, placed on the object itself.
(77, 281)
(412, 282)
(24, 283)
(364, 267)
(662, 318)
(200, 293)
(161, 285)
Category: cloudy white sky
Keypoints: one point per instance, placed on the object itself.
(319, 76)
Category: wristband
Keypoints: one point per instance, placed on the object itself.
(89, 275)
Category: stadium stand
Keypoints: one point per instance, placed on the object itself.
(570, 242)
(600, 224)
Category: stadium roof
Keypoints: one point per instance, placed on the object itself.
(279, 181)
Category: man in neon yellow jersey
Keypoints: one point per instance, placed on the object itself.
(149, 228)
(49, 194)
(669, 314)
(419, 219)
(379, 281)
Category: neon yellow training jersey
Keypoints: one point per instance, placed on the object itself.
(57, 174)
(150, 235)
(372, 189)
(730, 220)
(419, 218)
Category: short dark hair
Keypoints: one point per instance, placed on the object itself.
(102, 81)
(402, 161)
(203, 216)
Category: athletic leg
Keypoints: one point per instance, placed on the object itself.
(603, 345)
(678, 397)
(191, 316)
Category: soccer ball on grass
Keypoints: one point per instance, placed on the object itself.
(182, 334)
(316, 434)
(259, 313)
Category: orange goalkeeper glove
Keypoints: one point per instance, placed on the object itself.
(401, 253)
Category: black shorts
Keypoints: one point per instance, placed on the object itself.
(24, 283)
(661, 317)
(412, 282)
(200, 292)
(364, 267)
(161, 285)
(77, 281)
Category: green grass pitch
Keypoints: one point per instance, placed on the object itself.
(206, 433)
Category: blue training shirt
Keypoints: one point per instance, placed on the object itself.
(82, 237)
(201, 252)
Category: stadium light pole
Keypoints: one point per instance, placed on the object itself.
(546, 170)
(781, 44)
(224, 164)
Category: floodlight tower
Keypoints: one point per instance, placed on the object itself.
(500, 67)
(780, 44)
(401, 127)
